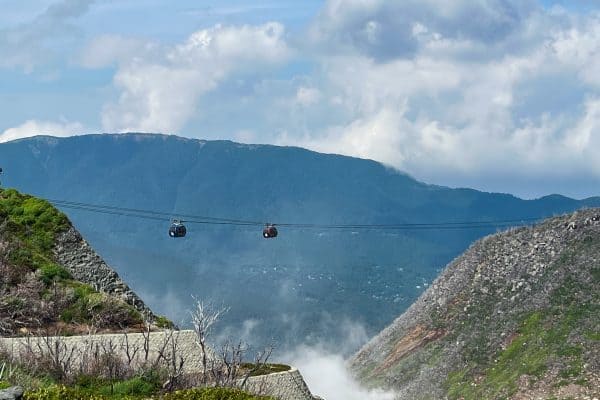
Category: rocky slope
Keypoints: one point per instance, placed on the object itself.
(85, 265)
(51, 279)
(516, 316)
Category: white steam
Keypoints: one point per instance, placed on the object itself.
(324, 368)
(327, 376)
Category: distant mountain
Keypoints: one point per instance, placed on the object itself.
(306, 285)
(516, 316)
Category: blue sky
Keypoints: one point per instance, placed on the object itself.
(499, 95)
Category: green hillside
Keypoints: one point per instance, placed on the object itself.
(37, 293)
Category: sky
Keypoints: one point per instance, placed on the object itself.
(497, 95)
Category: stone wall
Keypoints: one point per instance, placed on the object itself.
(82, 346)
(85, 265)
(288, 385)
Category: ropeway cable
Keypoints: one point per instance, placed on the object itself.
(208, 220)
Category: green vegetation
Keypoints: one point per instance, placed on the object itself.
(87, 305)
(60, 392)
(591, 335)
(542, 340)
(163, 322)
(51, 272)
(136, 387)
(34, 289)
(265, 369)
(33, 224)
(212, 394)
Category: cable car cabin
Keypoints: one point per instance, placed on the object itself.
(177, 229)
(270, 232)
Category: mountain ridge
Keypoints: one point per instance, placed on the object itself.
(148, 136)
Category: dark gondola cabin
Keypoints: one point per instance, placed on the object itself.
(177, 229)
(270, 231)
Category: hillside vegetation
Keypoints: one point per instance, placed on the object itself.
(516, 316)
(36, 292)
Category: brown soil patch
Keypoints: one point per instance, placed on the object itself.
(418, 337)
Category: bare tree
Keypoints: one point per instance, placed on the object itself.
(173, 360)
(260, 361)
(57, 355)
(130, 351)
(204, 316)
(226, 365)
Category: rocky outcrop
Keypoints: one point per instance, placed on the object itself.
(85, 265)
(12, 393)
(462, 326)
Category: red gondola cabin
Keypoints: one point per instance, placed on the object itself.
(270, 231)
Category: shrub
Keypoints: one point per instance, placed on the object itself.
(32, 225)
(52, 271)
(90, 306)
(163, 322)
(265, 369)
(137, 386)
(60, 392)
(212, 394)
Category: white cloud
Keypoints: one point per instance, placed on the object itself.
(460, 106)
(159, 91)
(307, 96)
(327, 376)
(32, 128)
(42, 39)
(385, 30)
(579, 47)
(583, 140)
(107, 50)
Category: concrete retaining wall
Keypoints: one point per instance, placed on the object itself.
(82, 347)
(288, 385)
